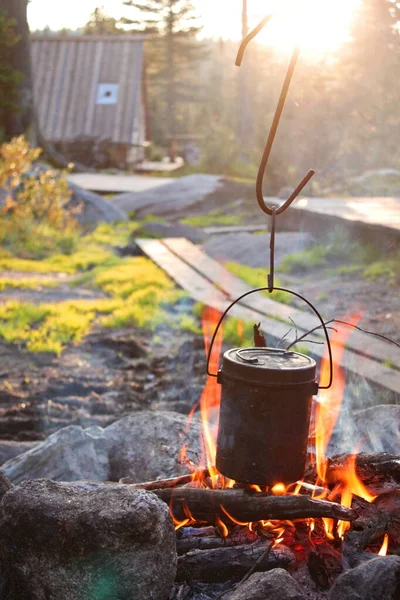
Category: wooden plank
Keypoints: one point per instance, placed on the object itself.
(360, 342)
(203, 290)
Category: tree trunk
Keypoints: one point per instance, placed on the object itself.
(22, 121)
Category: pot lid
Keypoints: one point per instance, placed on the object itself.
(269, 366)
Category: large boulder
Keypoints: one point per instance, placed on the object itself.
(142, 446)
(145, 446)
(376, 579)
(64, 543)
(69, 454)
(173, 197)
(94, 208)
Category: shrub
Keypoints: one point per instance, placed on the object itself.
(35, 221)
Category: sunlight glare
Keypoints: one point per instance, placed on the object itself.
(318, 26)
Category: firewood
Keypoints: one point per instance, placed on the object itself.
(324, 565)
(223, 564)
(187, 540)
(370, 523)
(244, 506)
(160, 484)
(370, 468)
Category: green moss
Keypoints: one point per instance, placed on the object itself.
(46, 327)
(25, 283)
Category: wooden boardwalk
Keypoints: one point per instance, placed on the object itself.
(207, 281)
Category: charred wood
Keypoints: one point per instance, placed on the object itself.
(370, 468)
(223, 564)
(324, 565)
(189, 540)
(205, 506)
(371, 523)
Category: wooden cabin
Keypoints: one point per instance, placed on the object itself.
(89, 96)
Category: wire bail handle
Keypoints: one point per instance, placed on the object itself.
(262, 289)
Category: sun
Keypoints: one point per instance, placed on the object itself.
(318, 26)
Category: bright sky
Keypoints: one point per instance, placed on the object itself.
(319, 25)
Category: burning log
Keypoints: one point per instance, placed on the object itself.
(371, 522)
(223, 564)
(370, 468)
(209, 505)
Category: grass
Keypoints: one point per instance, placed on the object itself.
(256, 278)
(388, 269)
(215, 217)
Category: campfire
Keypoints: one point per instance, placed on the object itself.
(341, 513)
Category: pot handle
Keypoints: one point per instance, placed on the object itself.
(262, 289)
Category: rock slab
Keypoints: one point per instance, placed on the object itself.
(376, 579)
(146, 446)
(69, 454)
(274, 585)
(63, 543)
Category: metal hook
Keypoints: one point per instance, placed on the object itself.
(274, 127)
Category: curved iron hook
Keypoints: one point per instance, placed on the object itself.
(262, 289)
(274, 127)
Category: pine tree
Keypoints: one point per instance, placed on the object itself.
(372, 93)
(172, 54)
(101, 24)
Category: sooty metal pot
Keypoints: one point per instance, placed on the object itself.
(264, 414)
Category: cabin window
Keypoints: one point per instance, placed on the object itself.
(107, 93)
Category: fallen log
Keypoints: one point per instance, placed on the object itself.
(208, 505)
(223, 564)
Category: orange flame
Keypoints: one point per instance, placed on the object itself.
(351, 484)
(279, 489)
(330, 400)
(385, 546)
(211, 395)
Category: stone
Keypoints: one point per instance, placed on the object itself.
(146, 446)
(64, 543)
(95, 209)
(376, 579)
(273, 585)
(378, 428)
(69, 454)
(172, 197)
(10, 449)
(250, 249)
(171, 230)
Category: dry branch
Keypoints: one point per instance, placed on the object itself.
(160, 484)
(205, 505)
